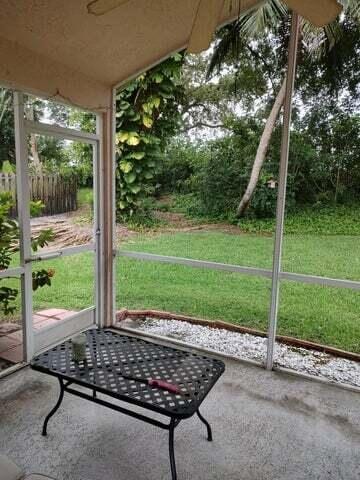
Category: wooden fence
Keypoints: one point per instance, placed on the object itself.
(56, 192)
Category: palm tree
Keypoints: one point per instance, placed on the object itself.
(5, 100)
(248, 28)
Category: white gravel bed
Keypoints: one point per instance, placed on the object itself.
(251, 347)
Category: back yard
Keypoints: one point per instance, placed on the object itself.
(197, 176)
(322, 314)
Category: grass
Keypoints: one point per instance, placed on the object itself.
(323, 314)
(332, 256)
(85, 196)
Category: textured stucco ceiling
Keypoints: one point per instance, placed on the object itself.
(56, 47)
(107, 48)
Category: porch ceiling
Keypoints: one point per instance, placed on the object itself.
(57, 48)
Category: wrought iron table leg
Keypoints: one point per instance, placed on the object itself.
(171, 449)
(54, 410)
(209, 432)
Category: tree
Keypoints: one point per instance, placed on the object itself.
(204, 105)
(211, 107)
(262, 149)
(248, 33)
(44, 151)
(146, 116)
(7, 140)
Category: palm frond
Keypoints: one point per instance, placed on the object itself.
(352, 8)
(251, 24)
(261, 18)
(5, 99)
(318, 41)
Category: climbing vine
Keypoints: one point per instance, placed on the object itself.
(146, 116)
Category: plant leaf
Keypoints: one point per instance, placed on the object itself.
(126, 167)
(147, 121)
(135, 189)
(130, 177)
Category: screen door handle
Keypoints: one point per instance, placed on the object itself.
(46, 256)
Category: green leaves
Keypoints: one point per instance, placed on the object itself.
(137, 155)
(7, 297)
(130, 177)
(126, 167)
(158, 77)
(147, 121)
(121, 137)
(9, 245)
(41, 278)
(135, 189)
(43, 239)
(133, 139)
(145, 110)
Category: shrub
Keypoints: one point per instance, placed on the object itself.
(9, 245)
(180, 166)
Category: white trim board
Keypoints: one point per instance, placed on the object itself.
(60, 132)
(53, 334)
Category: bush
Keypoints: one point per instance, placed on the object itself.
(189, 204)
(7, 167)
(335, 220)
(213, 176)
(222, 178)
(143, 218)
(9, 246)
(179, 168)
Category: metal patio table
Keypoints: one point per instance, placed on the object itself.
(118, 365)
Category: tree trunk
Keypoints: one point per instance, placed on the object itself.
(262, 150)
(33, 144)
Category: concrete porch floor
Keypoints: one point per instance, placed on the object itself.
(266, 425)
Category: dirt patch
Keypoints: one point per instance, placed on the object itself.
(75, 228)
(66, 232)
(179, 222)
(173, 219)
(72, 229)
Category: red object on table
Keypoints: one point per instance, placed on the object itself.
(170, 387)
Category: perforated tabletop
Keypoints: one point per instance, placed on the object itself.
(109, 355)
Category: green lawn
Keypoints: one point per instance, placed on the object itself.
(312, 312)
(85, 196)
(322, 314)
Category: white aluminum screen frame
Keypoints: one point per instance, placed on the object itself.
(36, 341)
(275, 274)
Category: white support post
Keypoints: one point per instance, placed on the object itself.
(98, 226)
(113, 202)
(280, 208)
(106, 216)
(23, 198)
